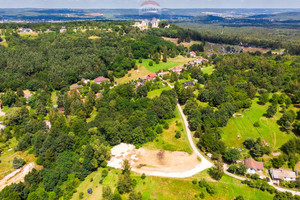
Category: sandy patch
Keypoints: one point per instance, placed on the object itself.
(238, 115)
(254, 49)
(155, 162)
(17, 175)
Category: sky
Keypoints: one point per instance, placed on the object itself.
(136, 3)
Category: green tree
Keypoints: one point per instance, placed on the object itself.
(232, 155)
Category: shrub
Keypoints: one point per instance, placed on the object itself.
(202, 195)
(194, 181)
(143, 176)
(166, 126)
(256, 124)
(202, 183)
(178, 134)
(140, 60)
(151, 63)
(210, 190)
(18, 163)
(104, 173)
(159, 130)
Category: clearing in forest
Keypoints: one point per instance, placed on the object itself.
(243, 127)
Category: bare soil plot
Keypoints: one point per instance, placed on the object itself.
(155, 162)
(254, 49)
(17, 175)
(134, 74)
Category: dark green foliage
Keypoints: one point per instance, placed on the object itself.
(239, 198)
(150, 63)
(238, 169)
(263, 98)
(104, 173)
(256, 124)
(178, 135)
(9, 98)
(271, 111)
(18, 162)
(159, 129)
(232, 155)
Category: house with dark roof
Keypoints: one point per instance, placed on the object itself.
(100, 79)
(253, 165)
(282, 174)
(188, 83)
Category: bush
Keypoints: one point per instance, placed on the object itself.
(178, 134)
(143, 176)
(256, 124)
(18, 163)
(81, 195)
(210, 190)
(151, 63)
(202, 195)
(194, 181)
(104, 173)
(202, 183)
(159, 130)
(140, 60)
(239, 197)
(166, 126)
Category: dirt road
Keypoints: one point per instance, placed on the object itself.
(16, 176)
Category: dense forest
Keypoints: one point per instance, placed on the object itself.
(71, 148)
(56, 60)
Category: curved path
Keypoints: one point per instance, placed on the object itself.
(207, 164)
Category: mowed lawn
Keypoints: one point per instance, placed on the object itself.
(171, 189)
(167, 140)
(171, 62)
(269, 129)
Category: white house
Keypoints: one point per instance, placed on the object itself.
(282, 174)
(253, 166)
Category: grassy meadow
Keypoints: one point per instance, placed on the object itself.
(169, 188)
(171, 62)
(269, 129)
(167, 140)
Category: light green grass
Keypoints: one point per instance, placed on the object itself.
(156, 93)
(53, 98)
(208, 70)
(160, 66)
(171, 62)
(269, 129)
(171, 189)
(167, 140)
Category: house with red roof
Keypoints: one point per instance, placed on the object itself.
(177, 69)
(61, 109)
(100, 79)
(253, 165)
(85, 80)
(148, 77)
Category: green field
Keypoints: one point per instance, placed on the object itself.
(208, 70)
(156, 93)
(167, 140)
(170, 189)
(269, 129)
(172, 62)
